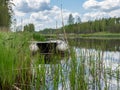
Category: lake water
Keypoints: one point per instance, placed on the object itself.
(109, 58)
(100, 59)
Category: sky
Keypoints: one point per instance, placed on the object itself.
(45, 13)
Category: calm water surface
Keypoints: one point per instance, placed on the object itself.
(106, 52)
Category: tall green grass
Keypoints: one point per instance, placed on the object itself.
(15, 60)
(83, 71)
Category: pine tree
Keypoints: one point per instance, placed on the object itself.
(70, 19)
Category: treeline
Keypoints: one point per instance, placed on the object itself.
(29, 27)
(103, 25)
(49, 31)
(111, 25)
(5, 13)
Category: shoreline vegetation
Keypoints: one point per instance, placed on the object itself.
(15, 60)
(101, 34)
(84, 69)
(98, 35)
(16, 69)
(105, 28)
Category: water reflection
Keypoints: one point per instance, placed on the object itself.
(101, 44)
(108, 54)
(54, 74)
(110, 62)
(100, 61)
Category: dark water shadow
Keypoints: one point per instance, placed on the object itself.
(98, 44)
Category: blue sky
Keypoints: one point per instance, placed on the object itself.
(44, 13)
(72, 5)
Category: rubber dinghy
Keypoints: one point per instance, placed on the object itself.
(61, 45)
(46, 46)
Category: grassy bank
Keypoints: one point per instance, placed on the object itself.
(82, 71)
(98, 35)
(14, 58)
(101, 35)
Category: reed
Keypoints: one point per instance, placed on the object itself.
(14, 58)
(83, 70)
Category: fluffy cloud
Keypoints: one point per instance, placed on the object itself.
(40, 13)
(105, 5)
(48, 18)
(91, 4)
(27, 6)
(94, 15)
(99, 9)
(115, 13)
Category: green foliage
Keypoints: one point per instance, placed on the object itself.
(48, 31)
(29, 28)
(14, 55)
(70, 19)
(5, 13)
(15, 58)
(38, 37)
(111, 25)
(82, 71)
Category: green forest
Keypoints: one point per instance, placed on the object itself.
(111, 25)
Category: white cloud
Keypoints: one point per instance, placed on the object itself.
(105, 5)
(91, 4)
(94, 15)
(18, 13)
(48, 18)
(40, 13)
(100, 9)
(115, 13)
(37, 3)
(27, 6)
